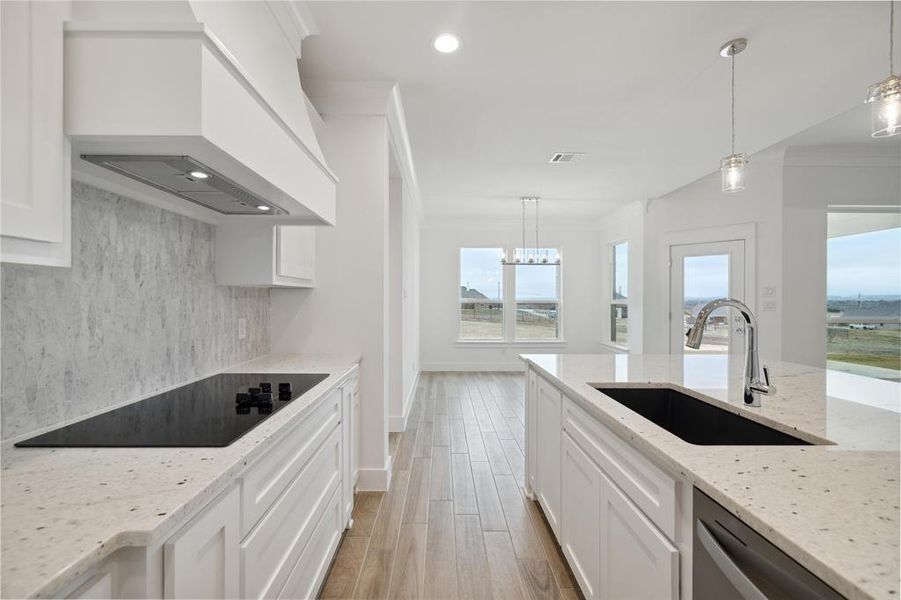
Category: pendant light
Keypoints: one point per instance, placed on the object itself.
(531, 256)
(885, 97)
(733, 166)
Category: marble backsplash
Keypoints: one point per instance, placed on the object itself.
(138, 311)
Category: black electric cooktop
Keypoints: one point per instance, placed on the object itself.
(212, 412)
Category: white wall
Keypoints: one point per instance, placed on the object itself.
(410, 299)
(347, 311)
(624, 225)
(703, 206)
(582, 311)
(396, 350)
(817, 177)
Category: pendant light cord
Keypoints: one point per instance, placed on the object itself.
(733, 100)
(891, 38)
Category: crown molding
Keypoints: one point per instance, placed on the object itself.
(295, 20)
(403, 153)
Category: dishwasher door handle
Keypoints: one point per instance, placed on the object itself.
(726, 565)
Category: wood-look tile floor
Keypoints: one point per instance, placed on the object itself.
(455, 522)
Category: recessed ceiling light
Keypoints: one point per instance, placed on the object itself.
(263, 207)
(446, 43)
(198, 174)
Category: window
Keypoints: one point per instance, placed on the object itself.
(481, 294)
(863, 294)
(619, 308)
(530, 292)
(538, 296)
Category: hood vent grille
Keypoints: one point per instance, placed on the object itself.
(182, 176)
(566, 157)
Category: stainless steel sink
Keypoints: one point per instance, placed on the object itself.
(695, 421)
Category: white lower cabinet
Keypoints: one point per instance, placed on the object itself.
(581, 527)
(309, 572)
(271, 534)
(201, 560)
(271, 550)
(637, 561)
(547, 451)
(347, 463)
(616, 550)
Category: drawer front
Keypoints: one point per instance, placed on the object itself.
(652, 490)
(270, 551)
(267, 478)
(309, 572)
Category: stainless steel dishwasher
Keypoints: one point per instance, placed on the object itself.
(731, 560)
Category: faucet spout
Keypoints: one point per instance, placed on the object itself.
(756, 377)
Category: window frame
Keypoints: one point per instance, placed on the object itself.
(508, 300)
(503, 300)
(559, 339)
(612, 300)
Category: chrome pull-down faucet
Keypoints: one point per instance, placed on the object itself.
(756, 378)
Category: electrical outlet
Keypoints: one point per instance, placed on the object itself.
(242, 328)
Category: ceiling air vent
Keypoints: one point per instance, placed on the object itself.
(566, 157)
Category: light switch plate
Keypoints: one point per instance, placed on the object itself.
(242, 328)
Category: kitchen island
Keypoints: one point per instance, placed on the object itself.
(67, 511)
(833, 505)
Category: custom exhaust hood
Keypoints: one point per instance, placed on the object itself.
(168, 111)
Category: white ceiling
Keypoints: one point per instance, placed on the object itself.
(638, 86)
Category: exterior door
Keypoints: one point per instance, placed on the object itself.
(700, 273)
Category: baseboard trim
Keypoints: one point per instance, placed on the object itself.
(398, 423)
(375, 480)
(517, 366)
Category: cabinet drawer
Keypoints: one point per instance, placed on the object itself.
(266, 478)
(309, 572)
(652, 490)
(270, 551)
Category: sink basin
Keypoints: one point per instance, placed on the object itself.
(697, 422)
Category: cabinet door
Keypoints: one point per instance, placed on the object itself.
(296, 252)
(35, 169)
(637, 561)
(548, 452)
(201, 560)
(581, 517)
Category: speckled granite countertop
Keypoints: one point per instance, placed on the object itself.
(834, 508)
(65, 509)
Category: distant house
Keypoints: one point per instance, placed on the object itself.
(471, 294)
(882, 314)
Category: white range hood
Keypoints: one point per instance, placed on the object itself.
(148, 102)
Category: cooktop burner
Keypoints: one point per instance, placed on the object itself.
(212, 412)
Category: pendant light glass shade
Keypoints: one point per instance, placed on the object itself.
(733, 170)
(885, 107)
(885, 97)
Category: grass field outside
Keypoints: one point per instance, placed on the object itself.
(870, 347)
(483, 322)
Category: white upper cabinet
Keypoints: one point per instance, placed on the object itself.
(35, 195)
(266, 255)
